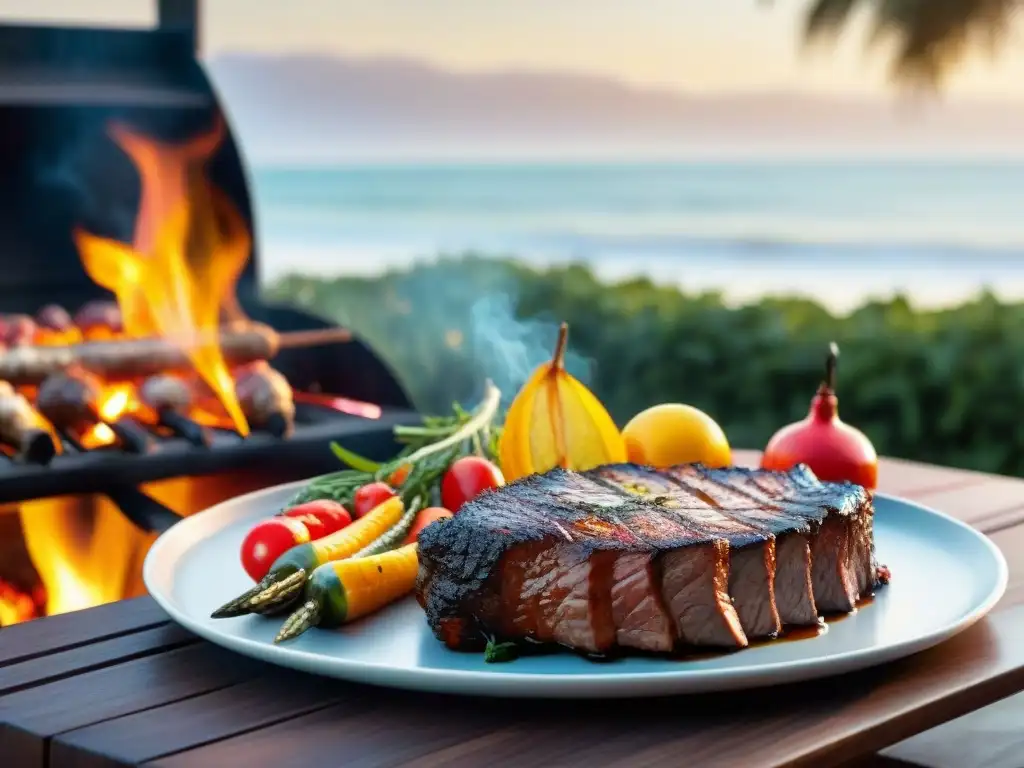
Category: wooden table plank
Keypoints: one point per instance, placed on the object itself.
(275, 696)
(820, 725)
(992, 737)
(904, 478)
(198, 705)
(29, 718)
(87, 658)
(68, 630)
(988, 502)
(996, 502)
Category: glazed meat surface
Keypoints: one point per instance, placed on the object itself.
(625, 556)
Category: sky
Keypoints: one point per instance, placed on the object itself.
(696, 46)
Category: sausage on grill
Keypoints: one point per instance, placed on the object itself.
(128, 359)
(22, 428)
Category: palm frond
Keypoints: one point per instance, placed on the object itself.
(928, 37)
(826, 18)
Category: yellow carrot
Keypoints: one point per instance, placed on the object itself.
(284, 581)
(344, 590)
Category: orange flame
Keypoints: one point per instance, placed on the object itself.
(189, 248)
(15, 606)
(115, 401)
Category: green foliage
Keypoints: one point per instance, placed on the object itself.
(937, 386)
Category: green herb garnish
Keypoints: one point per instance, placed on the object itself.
(496, 653)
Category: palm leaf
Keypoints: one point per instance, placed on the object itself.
(928, 37)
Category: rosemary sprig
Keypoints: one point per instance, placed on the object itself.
(428, 452)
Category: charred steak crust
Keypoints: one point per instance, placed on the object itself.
(629, 556)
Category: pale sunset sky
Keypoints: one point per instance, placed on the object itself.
(704, 46)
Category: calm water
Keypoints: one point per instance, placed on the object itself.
(838, 231)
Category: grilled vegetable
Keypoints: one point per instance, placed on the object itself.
(555, 421)
(394, 536)
(344, 590)
(322, 518)
(370, 496)
(466, 479)
(423, 519)
(284, 581)
(268, 540)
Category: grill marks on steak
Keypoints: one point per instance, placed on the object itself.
(632, 557)
(751, 560)
(840, 521)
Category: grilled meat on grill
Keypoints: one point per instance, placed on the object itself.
(628, 556)
(266, 398)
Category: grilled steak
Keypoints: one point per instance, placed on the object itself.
(632, 557)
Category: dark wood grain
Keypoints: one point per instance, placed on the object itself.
(992, 737)
(32, 716)
(818, 725)
(69, 630)
(995, 502)
(86, 658)
(275, 696)
(119, 685)
(907, 478)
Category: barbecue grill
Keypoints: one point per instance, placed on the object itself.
(60, 89)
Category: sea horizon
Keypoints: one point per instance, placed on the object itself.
(840, 230)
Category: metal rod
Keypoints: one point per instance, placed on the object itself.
(38, 447)
(143, 510)
(132, 436)
(184, 427)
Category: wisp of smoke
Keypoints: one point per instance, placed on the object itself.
(507, 349)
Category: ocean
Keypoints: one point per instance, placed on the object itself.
(838, 231)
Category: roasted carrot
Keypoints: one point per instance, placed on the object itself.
(344, 590)
(284, 581)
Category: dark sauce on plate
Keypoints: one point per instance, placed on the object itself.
(691, 653)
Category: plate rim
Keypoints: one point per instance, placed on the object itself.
(560, 684)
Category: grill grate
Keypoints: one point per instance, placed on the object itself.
(80, 471)
(60, 90)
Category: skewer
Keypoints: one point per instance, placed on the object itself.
(138, 358)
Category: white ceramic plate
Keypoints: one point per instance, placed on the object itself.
(945, 576)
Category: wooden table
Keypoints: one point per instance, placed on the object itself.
(120, 685)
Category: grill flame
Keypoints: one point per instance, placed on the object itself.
(177, 278)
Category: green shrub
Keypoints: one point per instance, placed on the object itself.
(937, 386)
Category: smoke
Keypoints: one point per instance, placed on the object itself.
(507, 349)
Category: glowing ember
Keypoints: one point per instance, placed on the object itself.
(116, 401)
(15, 606)
(178, 277)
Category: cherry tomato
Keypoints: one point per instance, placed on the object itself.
(398, 476)
(267, 541)
(466, 478)
(322, 517)
(424, 518)
(370, 496)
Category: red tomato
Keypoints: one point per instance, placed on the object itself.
(322, 517)
(466, 479)
(398, 476)
(424, 518)
(370, 496)
(267, 541)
